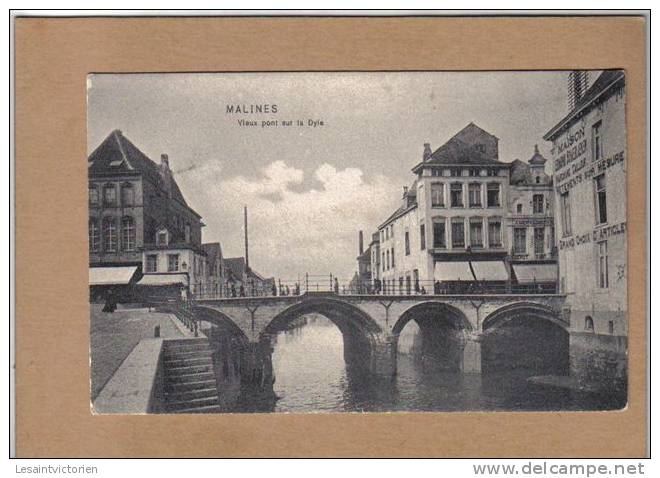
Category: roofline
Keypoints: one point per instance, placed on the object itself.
(397, 216)
(463, 165)
(550, 135)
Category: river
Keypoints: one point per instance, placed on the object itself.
(311, 376)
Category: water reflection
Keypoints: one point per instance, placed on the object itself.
(311, 375)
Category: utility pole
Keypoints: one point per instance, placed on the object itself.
(245, 228)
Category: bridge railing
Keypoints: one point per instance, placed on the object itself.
(329, 283)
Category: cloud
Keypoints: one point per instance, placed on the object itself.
(294, 231)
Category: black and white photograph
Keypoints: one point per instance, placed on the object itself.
(327, 242)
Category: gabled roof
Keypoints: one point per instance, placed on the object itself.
(213, 251)
(538, 158)
(116, 154)
(605, 81)
(457, 152)
(520, 172)
(236, 266)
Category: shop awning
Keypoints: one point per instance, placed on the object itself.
(452, 271)
(163, 279)
(490, 270)
(111, 275)
(529, 273)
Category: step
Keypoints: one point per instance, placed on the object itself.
(192, 403)
(187, 347)
(191, 385)
(185, 395)
(188, 370)
(187, 353)
(180, 362)
(208, 409)
(189, 378)
(186, 342)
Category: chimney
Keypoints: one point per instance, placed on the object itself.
(361, 242)
(166, 173)
(427, 151)
(245, 227)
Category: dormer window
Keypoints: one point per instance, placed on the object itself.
(162, 237)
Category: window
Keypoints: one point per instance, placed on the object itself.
(493, 194)
(495, 233)
(457, 232)
(128, 233)
(474, 194)
(601, 199)
(539, 240)
(94, 236)
(407, 242)
(520, 240)
(422, 237)
(187, 231)
(603, 278)
(538, 180)
(110, 194)
(565, 214)
(384, 261)
(392, 258)
(456, 192)
(110, 234)
(161, 238)
(492, 172)
(127, 195)
(551, 237)
(519, 208)
(93, 195)
(152, 263)
(588, 324)
(476, 232)
(596, 141)
(437, 195)
(439, 234)
(610, 327)
(537, 203)
(172, 262)
(455, 172)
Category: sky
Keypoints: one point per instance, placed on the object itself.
(310, 189)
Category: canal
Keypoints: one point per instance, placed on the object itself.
(311, 375)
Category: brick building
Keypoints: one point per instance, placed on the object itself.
(131, 201)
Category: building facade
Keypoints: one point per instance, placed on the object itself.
(133, 200)
(589, 167)
(455, 228)
(530, 225)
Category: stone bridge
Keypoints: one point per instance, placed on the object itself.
(454, 328)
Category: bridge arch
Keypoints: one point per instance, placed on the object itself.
(224, 322)
(525, 337)
(442, 335)
(347, 317)
(361, 333)
(507, 313)
(436, 308)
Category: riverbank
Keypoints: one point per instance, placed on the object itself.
(114, 335)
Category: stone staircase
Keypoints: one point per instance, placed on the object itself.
(189, 378)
